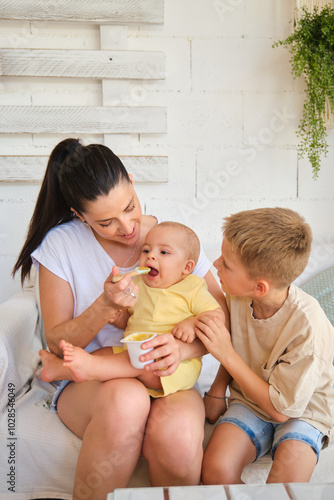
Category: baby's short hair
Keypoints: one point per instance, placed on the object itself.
(188, 239)
(272, 243)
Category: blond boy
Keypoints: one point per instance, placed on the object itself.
(279, 353)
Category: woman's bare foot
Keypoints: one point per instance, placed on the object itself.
(53, 368)
(78, 361)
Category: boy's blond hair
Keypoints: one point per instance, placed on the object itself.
(272, 243)
(188, 239)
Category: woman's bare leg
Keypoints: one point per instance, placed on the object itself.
(173, 443)
(110, 418)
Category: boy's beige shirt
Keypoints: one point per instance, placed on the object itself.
(292, 351)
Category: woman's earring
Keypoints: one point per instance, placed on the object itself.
(74, 214)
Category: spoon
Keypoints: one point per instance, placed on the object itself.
(136, 272)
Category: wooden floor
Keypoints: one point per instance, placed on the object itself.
(297, 491)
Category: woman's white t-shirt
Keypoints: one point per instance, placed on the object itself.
(71, 252)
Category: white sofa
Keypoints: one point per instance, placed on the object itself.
(38, 453)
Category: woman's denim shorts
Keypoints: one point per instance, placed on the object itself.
(265, 435)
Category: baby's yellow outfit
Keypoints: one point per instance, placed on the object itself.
(158, 310)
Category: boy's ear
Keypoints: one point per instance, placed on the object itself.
(189, 266)
(261, 288)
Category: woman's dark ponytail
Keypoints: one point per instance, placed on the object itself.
(51, 208)
(74, 175)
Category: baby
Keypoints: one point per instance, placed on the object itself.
(170, 299)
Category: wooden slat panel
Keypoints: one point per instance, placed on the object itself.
(216, 492)
(257, 492)
(138, 494)
(147, 168)
(115, 92)
(297, 491)
(82, 63)
(311, 491)
(97, 11)
(113, 37)
(32, 168)
(78, 119)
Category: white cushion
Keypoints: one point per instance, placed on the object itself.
(18, 353)
(45, 450)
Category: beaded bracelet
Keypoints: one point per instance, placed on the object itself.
(216, 397)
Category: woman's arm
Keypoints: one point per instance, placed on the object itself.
(193, 350)
(57, 305)
(215, 400)
(168, 352)
(217, 293)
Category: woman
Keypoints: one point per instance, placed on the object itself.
(88, 219)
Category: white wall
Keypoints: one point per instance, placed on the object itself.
(233, 109)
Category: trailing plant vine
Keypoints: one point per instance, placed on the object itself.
(312, 49)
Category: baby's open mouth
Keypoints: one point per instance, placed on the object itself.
(153, 272)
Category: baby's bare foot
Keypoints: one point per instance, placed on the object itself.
(77, 360)
(52, 366)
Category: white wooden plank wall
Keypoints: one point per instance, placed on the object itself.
(99, 11)
(80, 119)
(115, 92)
(233, 111)
(83, 64)
(32, 168)
(114, 65)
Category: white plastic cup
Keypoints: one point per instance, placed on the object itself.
(134, 342)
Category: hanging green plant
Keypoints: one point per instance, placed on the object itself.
(312, 48)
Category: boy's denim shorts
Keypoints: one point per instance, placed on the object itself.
(265, 435)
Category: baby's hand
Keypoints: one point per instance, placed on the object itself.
(185, 330)
(115, 317)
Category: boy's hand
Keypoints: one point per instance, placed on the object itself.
(185, 330)
(211, 330)
(215, 314)
(214, 408)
